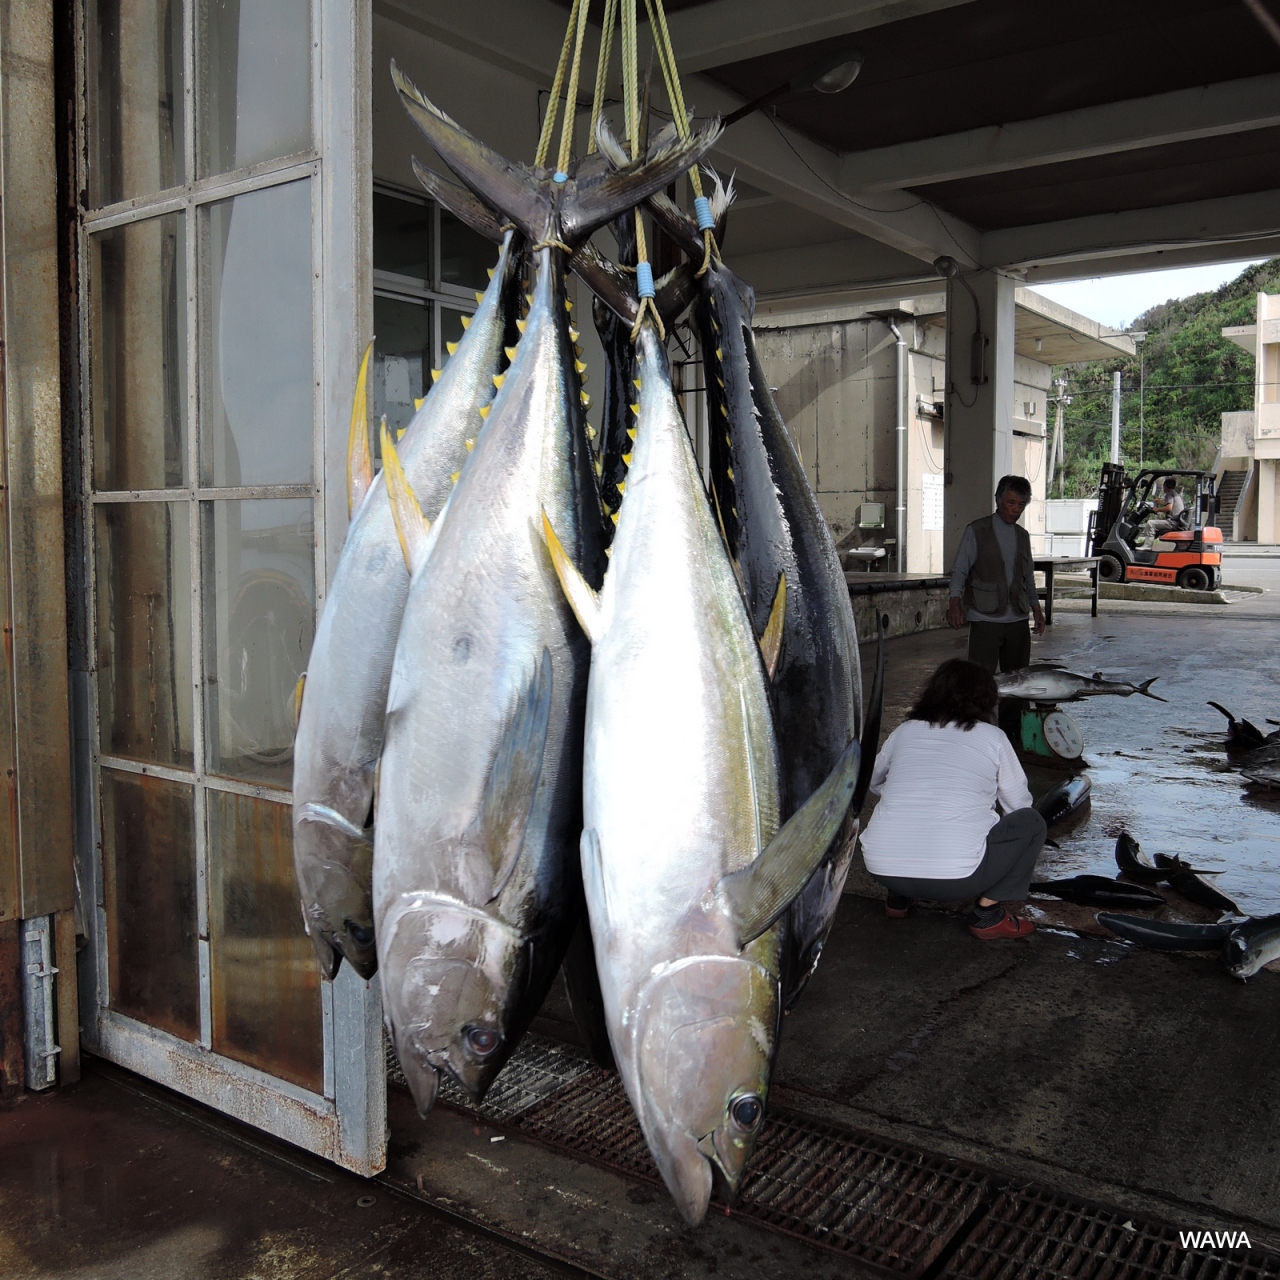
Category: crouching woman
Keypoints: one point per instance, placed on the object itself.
(935, 833)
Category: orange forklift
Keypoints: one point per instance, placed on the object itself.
(1190, 556)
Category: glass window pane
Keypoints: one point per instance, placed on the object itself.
(401, 358)
(149, 870)
(256, 408)
(135, 98)
(259, 615)
(143, 579)
(266, 987)
(465, 257)
(402, 236)
(254, 94)
(139, 337)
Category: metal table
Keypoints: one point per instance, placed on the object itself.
(1048, 565)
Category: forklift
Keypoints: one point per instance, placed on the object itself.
(1190, 556)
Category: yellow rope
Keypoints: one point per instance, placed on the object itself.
(553, 103)
(571, 102)
(602, 68)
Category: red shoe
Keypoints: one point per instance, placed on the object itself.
(896, 908)
(1008, 926)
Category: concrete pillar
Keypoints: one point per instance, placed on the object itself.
(1267, 530)
(979, 418)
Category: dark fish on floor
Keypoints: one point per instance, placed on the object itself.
(1241, 735)
(1188, 883)
(1132, 863)
(1251, 945)
(1098, 891)
(1065, 799)
(1161, 935)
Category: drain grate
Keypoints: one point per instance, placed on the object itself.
(850, 1192)
(538, 1068)
(1033, 1233)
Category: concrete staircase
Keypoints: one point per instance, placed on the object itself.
(1229, 488)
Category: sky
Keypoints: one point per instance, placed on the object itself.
(1116, 301)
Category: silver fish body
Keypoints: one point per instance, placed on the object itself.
(1252, 945)
(1045, 682)
(680, 787)
(340, 726)
(476, 882)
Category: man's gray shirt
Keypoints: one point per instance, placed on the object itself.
(1007, 537)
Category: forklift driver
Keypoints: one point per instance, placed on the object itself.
(1170, 510)
(993, 583)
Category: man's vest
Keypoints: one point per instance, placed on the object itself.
(987, 590)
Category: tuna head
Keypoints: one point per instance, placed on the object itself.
(334, 864)
(452, 977)
(705, 1032)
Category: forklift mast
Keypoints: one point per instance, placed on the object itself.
(1111, 489)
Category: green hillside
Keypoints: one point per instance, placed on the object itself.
(1193, 375)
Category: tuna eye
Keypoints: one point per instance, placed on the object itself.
(747, 1111)
(482, 1041)
(361, 934)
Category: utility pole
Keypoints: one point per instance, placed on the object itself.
(1139, 337)
(1058, 450)
(1115, 416)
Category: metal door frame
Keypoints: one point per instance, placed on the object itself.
(345, 1123)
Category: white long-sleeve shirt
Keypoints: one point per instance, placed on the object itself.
(938, 790)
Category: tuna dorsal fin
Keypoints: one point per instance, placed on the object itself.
(771, 640)
(584, 601)
(359, 458)
(759, 893)
(412, 527)
(460, 202)
(513, 776)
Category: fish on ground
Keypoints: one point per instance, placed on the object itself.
(1133, 864)
(1241, 734)
(343, 695)
(1251, 945)
(476, 879)
(1061, 802)
(1048, 682)
(781, 548)
(685, 870)
(1245, 946)
(1185, 881)
(1098, 891)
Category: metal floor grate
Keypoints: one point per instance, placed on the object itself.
(1034, 1233)
(849, 1192)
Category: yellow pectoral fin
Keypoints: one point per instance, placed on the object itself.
(771, 641)
(584, 602)
(359, 455)
(297, 699)
(412, 527)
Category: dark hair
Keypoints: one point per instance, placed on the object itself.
(1170, 482)
(1019, 484)
(959, 693)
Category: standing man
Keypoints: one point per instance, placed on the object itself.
(993, 583)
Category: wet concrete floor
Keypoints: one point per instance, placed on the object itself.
(1148, 1081)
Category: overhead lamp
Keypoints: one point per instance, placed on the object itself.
(833, 73)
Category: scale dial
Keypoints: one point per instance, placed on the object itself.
(1063, 735)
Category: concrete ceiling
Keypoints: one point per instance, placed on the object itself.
(1055, 139)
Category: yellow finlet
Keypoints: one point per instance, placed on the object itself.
(297, 699)
(591, 432)
(412, 526)
(771, 641)
(490, 273)
(418, 402)
(568, 304)
(626, 459)
(522, 325)
(719, 353)
(599, 467)
(614, 517)
(635, 408)
(454, 477)
(622, 486)
(499, 379)
(574, 335)
(479, 297)
(637, 382)
(528, 297)
(580, 365)
(471, 444)
(585, 398)
(466, 322)
(631, 431)
(400, 433)
(724, 409)
(509, 352)
(608, 553)
(720, 380)
(730, 469)
(484, 412)
(451, 347)
(359, 455)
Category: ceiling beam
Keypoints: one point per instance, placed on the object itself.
(1230, 107)
(1223, 226)
(725, 31)
(1198, 255)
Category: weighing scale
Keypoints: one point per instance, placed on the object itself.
(1051, 735)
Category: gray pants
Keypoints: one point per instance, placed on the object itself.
(1013, 845)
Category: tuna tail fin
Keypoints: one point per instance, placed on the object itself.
(1145, 689)
(460, 202)
(359, 459)
(583, 600)
(682, 228)
(412, 527)
(871, 729)
(675, 291)
(759, 893)
(1217, 706)
(513, 776)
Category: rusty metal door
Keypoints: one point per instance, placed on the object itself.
(226, 295)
